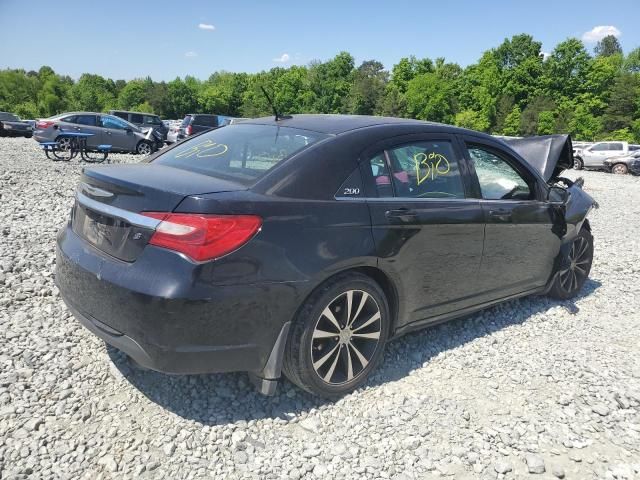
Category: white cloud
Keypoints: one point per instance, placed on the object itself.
(284, 58)
(598, 33)
(190, 54)
(545, 55)
(206, 26)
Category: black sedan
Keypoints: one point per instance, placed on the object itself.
(302, 245)
(12, 126)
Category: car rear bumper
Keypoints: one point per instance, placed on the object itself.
(158, 312)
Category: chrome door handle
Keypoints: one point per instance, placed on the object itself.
(403, 215)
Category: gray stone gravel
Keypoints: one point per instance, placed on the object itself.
(528, 384)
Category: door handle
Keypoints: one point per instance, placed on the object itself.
(403, 215)
(500, 214)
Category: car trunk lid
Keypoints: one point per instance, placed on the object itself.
(109, 202)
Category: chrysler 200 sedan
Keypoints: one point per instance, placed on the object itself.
(302, 245)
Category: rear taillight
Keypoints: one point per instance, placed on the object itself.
(42, 124)
(203, 237)
(188, 130)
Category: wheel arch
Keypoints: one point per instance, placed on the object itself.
(377, 275)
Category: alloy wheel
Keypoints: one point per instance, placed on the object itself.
(346, 337)
(576, 273)
(619, 169)
(144, 149)
(64, 144)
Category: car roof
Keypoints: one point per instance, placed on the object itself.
(129, 111)
(334, 124)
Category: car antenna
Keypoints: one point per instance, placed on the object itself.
(273, 107)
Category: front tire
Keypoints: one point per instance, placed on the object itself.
(144, 148)
(578, 164)
(576, 267)
(620, 169)
(338, 336)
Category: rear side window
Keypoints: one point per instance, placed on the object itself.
(616, 146)
(426, 169)
(8, 117)
(86, 120)
(242, 153)
(206, 120)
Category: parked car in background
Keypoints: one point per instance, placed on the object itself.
(593, 156)
(143, 120)
(199, 122)
(622, 165)
(106, 129)
(174, 132)
(303, 244)
(12, 126)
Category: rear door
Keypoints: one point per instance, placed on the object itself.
(86, 123)
(521, 242)
(428, 232)
(117, 133)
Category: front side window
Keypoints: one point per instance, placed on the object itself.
(242, 152)
(600, 147)
(135, 118)
(113, 122)
(498, 179)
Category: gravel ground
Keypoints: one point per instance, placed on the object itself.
(534, 387)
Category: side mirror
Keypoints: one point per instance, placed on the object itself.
(558, 195)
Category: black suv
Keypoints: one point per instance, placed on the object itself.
(143, 120)
(199, 122)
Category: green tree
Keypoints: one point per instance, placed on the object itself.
(430, 97)
(369, 83)
(622, 108)
(511, 126)
(608, 46)
(473, 120)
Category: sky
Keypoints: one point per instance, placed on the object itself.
(165, 39)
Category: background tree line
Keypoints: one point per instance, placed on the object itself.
(513, 89)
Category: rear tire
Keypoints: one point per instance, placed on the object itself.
(338, 336)
(570, 280)
(578, 164)
(620, 169)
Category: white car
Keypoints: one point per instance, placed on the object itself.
(594, 155)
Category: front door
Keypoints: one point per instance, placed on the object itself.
(428, 233)
(117, 133)
(521, 242)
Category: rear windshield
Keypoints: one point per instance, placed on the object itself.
(241, 152)
(206, 120)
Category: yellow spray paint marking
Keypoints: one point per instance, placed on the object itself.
(205, 149)
(434, 164)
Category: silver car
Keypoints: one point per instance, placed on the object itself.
(106, 129)
(622, 165)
